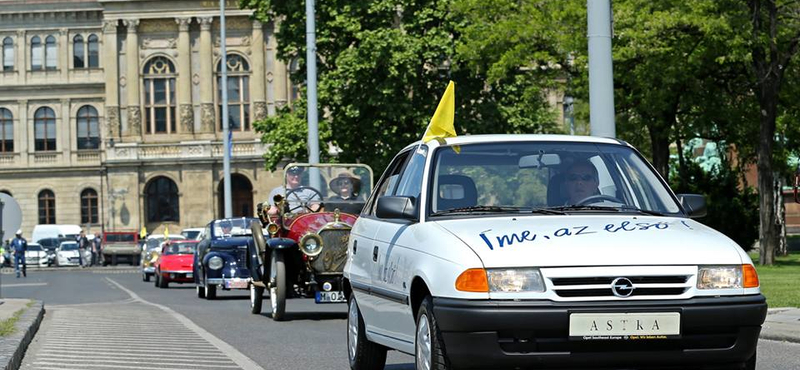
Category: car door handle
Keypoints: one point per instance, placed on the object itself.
(355, 246)
(375, 254)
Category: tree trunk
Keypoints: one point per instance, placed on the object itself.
(659, 143)
(768, 237)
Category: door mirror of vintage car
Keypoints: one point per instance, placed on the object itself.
(694, 204)
(397, 208)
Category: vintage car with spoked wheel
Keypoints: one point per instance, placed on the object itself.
(308, 222)
(222, 257)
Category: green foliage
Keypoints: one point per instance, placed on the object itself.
(779, 282)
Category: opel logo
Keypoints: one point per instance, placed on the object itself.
(622, 287)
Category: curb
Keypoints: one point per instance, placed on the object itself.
(13, 347)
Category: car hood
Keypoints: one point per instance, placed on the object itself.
(68, 253)
(593, 240)
(176, 262)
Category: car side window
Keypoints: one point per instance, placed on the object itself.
(388, 181)
(410, 184)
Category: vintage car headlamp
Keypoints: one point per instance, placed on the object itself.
(515, 280)
(311, 244)
(272, 228)
(719, 277)
(215, 263)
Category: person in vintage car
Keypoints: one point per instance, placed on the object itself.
(175, 263)
(299, 198)
(469, 254)
(222, 258)
(305, 252)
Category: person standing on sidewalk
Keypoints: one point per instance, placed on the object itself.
(19, 245)
(83, 245)
(97, 249)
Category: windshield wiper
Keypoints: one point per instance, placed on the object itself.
(645, 211)
(477, 210)
(623, 208)
(547, 211)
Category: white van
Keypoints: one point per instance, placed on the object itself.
(55, 231)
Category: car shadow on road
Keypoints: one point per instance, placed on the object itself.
(408, 366)
(231, 298)
(310, 316)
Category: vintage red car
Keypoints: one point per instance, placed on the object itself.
(175, 263)
(307, 223)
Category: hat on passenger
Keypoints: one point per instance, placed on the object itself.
(338, 181)
(295, 170)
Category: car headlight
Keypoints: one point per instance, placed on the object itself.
(727, 277)
(515, 280)
(311, 244)
(215, 263)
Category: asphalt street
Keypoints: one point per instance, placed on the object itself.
(313, 337)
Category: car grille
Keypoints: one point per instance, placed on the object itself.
(600, 286)
(334, 251)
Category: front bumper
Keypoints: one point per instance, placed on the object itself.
(178, 276)
(510, 334)
(230, 283)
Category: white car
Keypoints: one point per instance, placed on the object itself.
(195, 233)
(517, 251)
(67, 254)
(36, 255)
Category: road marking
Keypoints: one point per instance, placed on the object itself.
(21, 284)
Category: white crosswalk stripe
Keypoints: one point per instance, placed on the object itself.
(129, 334)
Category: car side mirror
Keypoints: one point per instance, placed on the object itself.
(694, 204)
(397, 207)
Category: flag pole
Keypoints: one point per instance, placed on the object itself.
(226, 134)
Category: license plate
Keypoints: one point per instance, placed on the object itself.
(329, 297)
(625, 326)
(236, 284)
(189, 275)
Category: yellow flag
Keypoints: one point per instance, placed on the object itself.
(441, 125)
(143, 232)
(166, 232)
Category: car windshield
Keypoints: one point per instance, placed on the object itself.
(190, 234)
(155, 242)
(545, 177)
(308, 187)
(233, 227)
(180, 248)
(120, 238)
(34, 247)
(69, 246)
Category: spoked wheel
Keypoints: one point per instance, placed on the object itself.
(429, 346)
(201, 291)
(277, 291)
(211, 291)
(363, 354)
(256, 298)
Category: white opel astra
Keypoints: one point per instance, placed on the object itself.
(537, 251)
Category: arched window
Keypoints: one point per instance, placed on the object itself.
(94, 51)
(162, 200)
(6, 131)
(47, 207)
(44, 128)
(50, 54)
(37, 54)
(238, 93)
(78, 52)
(89, 207)
(8, 54)
(159, 96)
(88, 128)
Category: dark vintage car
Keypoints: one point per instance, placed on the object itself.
(221, 258)
(308, 224)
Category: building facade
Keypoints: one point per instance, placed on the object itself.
(110, 112)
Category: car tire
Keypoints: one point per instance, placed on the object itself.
(201, 291)
(155, 280)
(429, 351)
(211, 291)
(750, 364)
(163, 284)
(363, 354)
(277, 293)
(256, 299)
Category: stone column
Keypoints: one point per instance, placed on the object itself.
(19, 63)
(132, 80)
(109, 60)
(206, 77)
(280, 84)
(185, 111)
(64, 140)
(257, 82)
(21, 141)
(64, 53)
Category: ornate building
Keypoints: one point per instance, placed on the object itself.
(110, 112)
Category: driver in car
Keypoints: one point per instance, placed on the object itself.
(302, 199)
(581, 181)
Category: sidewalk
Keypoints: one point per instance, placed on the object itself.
(782, 324)
(13, 346)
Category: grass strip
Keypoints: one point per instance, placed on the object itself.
(9, 326)
(779, 281)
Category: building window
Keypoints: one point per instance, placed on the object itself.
(50, 54)
(44, 127)
(47, 207)
(88, 128)
(78, 52)
(8, 54)
(37, 54)
(238, 93)
(94, 51)
(159, 96)
(6, 131)
(162, 200)
(89, 207)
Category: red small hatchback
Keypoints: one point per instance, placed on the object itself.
(174, 265)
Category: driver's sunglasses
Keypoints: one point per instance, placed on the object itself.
(576, 177)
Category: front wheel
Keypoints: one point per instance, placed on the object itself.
(161, 282)
(277, 291)
(751, 363)
(256, 298)
(211, 291)
(363, 354)
(429, 347)
(201, 292)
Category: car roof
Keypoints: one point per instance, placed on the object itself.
(498, 138)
